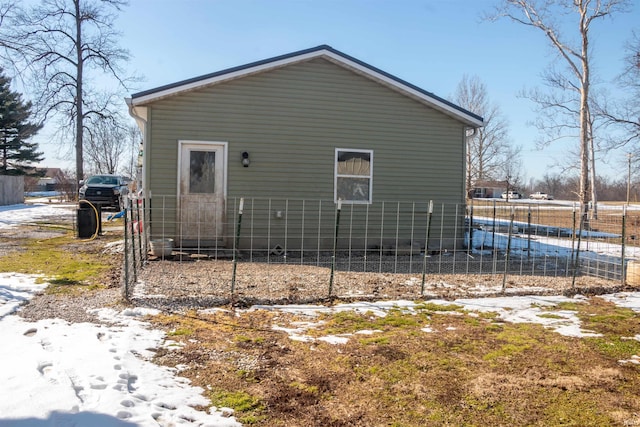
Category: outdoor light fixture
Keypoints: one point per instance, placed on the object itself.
(245, 159)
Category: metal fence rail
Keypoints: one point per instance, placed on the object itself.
(415, 239)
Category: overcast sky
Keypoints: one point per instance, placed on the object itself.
(429, 43)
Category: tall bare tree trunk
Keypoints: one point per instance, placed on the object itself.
(584, 116)
(78, 100)
(594, 192)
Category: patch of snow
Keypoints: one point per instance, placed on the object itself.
(16, 288)
(62, 374)
(625, 299)
(14, 215)
(635, 360)
(333, 339)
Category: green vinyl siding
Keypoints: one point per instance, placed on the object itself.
(290, 120)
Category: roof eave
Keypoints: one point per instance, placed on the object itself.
(414, 92)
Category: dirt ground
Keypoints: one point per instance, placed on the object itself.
(205, 283)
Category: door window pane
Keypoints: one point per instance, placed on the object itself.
(202, 168)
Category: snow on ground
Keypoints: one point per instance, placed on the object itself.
(541, 245)
(543, 310)
(54, 373)
(62, 374)
(16, 288)
(13, 215)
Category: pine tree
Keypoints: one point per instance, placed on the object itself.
(17, 153)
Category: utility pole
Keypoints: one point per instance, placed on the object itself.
(508, 179)
(629, 155)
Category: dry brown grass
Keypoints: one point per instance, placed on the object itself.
(470, 371)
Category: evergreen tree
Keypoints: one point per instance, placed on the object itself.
(17, 153)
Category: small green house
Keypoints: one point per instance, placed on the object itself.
(294, 135)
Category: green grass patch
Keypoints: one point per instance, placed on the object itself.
(568, 305)
(244, 339)
(608, 319)
(64, 269)
(488, 315)
(551, 316)
(247, 408)
(513, 341)
(311, 389)
(575, 409)
(505, 351)
(397, 319)
(180, 332)
(348, 322)
(430, 306)
(378, 340)
(616, 347)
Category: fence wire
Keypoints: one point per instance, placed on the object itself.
(263, 245)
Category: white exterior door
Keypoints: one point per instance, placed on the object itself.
(201, 192)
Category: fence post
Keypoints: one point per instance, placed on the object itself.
(139, 223)
(529, 233)
(286, 229)
(583, 217)
(125, 289)
(573, 241)
(493, 240)
(623, 273)
(133, 243)
(366, 237)
(506, 262)
(236, 243)
(335, 244)
(426, 246)
(470, 245)
(146, 221)
(381, 238)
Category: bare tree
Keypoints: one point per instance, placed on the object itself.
(511, 169)
(65, 184)
(558, 117)
(486, 147)
(58, 44)
(542, 14)
(625, 114)
(551, 184)
(134, 137)
(106, 144)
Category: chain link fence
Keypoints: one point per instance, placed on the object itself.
(266, 245)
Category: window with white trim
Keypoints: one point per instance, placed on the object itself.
(353, 175)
